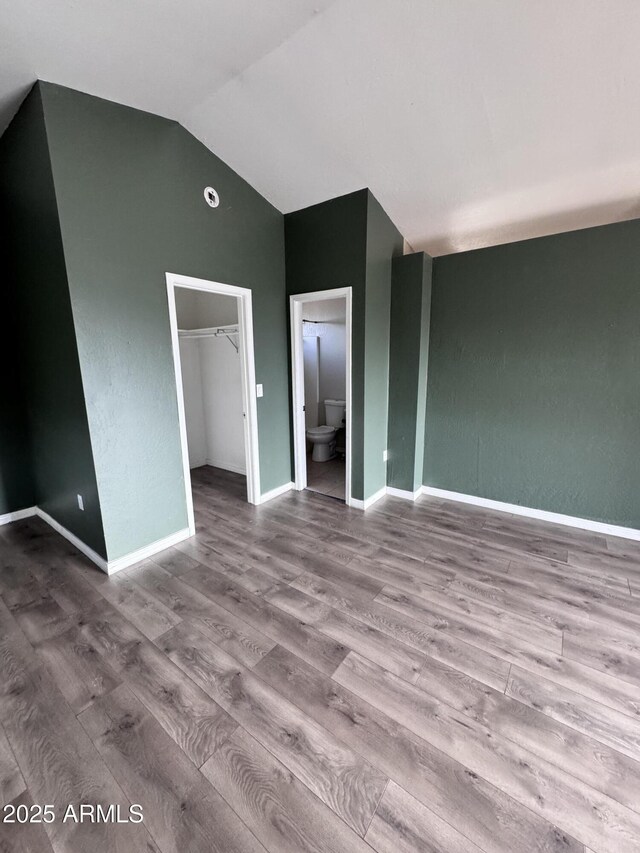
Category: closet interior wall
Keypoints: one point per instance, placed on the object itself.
(211, 378)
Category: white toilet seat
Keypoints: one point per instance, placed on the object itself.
(321, 432)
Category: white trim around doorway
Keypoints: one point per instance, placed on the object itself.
(248, 373)
(296, 302)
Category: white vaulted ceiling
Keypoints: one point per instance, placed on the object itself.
(473, 122)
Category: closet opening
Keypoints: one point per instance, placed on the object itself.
(212, 336)
(321, 366)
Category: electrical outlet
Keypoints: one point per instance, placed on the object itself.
(385, 455)
(80, 503)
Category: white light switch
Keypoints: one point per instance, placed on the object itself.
(80, 502)
(259, 391)
(385, 455)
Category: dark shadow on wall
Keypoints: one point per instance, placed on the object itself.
(11, 103)
(17, 488)
(61, 453)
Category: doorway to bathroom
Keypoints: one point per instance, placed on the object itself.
(321, 380)
(212, 336)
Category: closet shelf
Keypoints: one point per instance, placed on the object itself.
(214, 331)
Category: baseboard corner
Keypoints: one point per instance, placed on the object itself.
(374, 498)
(275, 493)
(85, 549)
(18, 515)
(110, 567)
(404, 494)
(130, 559)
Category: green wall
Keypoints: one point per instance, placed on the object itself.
(534, 374)
(384, 242)
(408, 358)
(129, 187)
(60, 463)
(349, 242)
(326, 247)
(534, 357)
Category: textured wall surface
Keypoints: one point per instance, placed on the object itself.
(408, 357)
(129, 188)
(61, 455)
(534, 374)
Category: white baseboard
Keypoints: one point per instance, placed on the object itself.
(71, 537)
(226, 466)
(110, 567)
(275, 493)
(404, 494)
(19, 514)
(374, 498)
(541, 514)
(385, 490)
(365, 504)
(147, 551)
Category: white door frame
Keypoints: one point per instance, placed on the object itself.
(247, 372)
(296, 303)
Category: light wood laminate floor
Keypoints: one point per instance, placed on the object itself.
(305, 677)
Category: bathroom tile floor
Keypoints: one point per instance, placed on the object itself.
(328, 478)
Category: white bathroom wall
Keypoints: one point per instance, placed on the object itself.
(311, 381)
(193, 402)
(333, 355)
(330, 317)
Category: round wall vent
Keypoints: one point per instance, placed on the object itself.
(211, 197)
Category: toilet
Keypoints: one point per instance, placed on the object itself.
(324, 437)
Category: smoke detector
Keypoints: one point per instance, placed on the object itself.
(211, 197)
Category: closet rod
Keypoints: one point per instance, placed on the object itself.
(227, 332)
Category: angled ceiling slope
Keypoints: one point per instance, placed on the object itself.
(472, 123)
